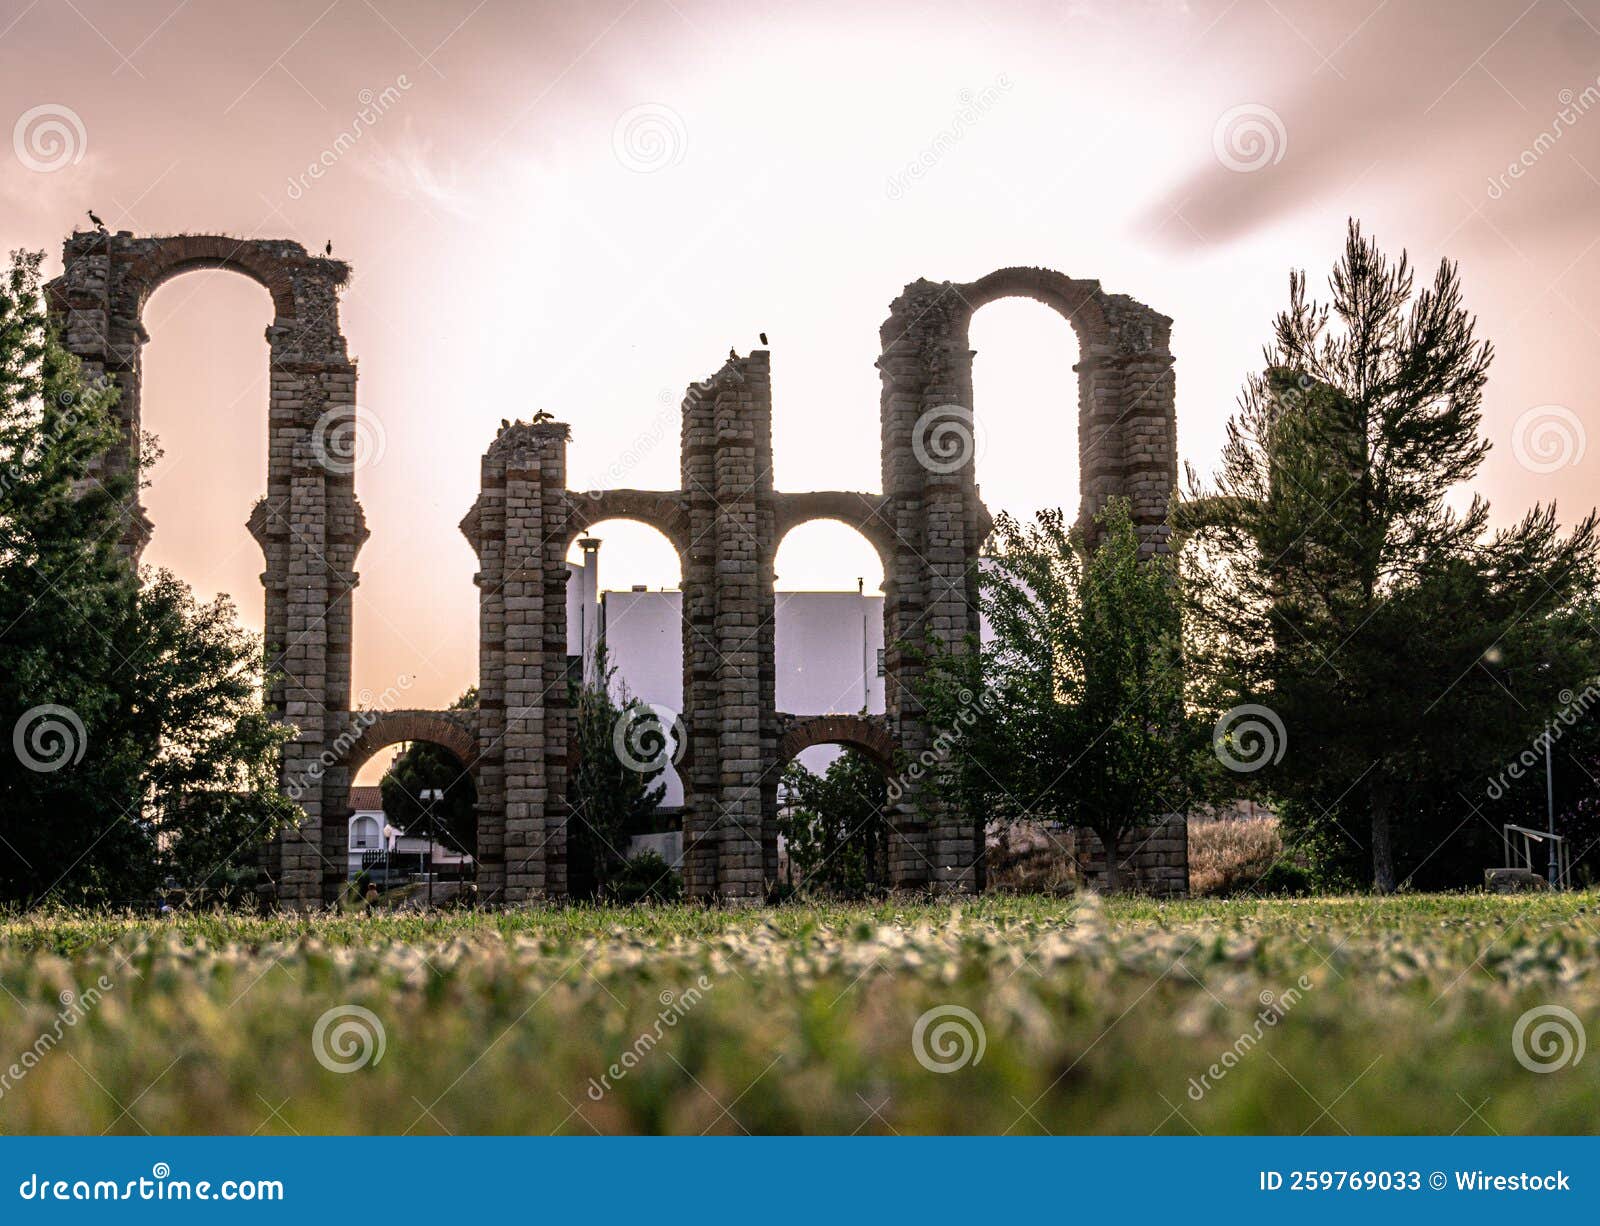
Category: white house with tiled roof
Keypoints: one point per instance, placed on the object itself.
(366, 824)
(370, 831)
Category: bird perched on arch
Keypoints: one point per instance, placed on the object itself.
(96, 222)
(327, 248)
(543, 416)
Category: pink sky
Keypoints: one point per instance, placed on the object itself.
(580, 208)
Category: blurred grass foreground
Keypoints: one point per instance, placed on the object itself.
(1412, 1014)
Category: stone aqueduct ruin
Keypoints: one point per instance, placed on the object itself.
(725, 521)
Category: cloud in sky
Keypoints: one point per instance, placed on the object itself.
(1439, 98)
(507, 258)
(410, 167)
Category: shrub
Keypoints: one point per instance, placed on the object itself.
(645, 878)
(1285, 879)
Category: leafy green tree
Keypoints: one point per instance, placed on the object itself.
(423, 766)
(1075, 709)
(1401, 648)
(208, 750)
(835, 826)
(136, 747)
(622, 751)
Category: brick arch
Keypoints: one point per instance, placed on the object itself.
(154, 271)
(1083, 304)
(662, 510)
(371, 731)
(1127, 433)
(868, 733)
(1127, 446)
(863, 512)
(280, 267)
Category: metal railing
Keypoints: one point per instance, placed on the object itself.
(1558, 861)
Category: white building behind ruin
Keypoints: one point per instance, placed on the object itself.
(829, 649)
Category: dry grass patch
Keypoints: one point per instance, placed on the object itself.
(1230, 853)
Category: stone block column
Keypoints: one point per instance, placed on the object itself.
(728, 612)
(302, 662)
(931, 595)
(699, 769)
(519, 528)
(1150, 439)
(484, 528)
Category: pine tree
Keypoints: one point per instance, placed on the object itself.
(62, 584)
(1401, 646)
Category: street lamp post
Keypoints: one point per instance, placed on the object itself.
(431, 797)
(1551, 869)
(1550, 805)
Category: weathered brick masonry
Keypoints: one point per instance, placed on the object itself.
(309, 524)
(725, 521)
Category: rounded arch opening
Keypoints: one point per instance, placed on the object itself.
(371, 753)
(635, 551)
(204, 387)
(627, 769)
(1026, 407)
(413, 775)
(624, 592)
(828, 629)
(802, 737)
(834, 818)
(415, 829)
(154, 272)
(826, 555)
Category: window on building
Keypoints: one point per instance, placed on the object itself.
(880, 662)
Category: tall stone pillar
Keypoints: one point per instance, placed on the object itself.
(302, 663)
(519, 529)
(699, 769)
(728, 624)
(310, 527)
(1148, 433)
(484, 527)
(931, 596)
(98, 315)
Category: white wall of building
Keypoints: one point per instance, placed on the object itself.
(644, 642)
(366, 834)
(827, 650)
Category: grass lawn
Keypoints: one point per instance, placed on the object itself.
(1126, 1016)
